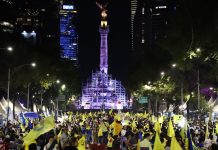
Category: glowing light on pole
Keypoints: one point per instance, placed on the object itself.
(173, 65)
(58, 81)
(211, 88)
(12, 71)
(9, 48)
(198, 50)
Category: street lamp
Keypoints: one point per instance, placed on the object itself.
(162, 73)
(63, 87)
(9, 48)
(173, 65)
(11, 72)
(33, 64)
(198, 50)
(58, 81)
(211, 88)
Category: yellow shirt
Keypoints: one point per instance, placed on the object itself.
(100, 133)
(110, 142)
(117, 128)
(104, 126)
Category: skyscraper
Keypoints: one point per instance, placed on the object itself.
(68, 31)
(147, 20)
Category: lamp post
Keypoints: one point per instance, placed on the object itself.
(11, 72)
(57, 107)
(9, 48)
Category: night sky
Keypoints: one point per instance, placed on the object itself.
(119, 41)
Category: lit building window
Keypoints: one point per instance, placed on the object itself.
(160, 7)
(143, 40)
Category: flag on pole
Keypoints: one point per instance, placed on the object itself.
(82, 143)
(110, 112)
(157, 127)
(174, 144)
(170, 130)
(138, 144)
(216, 128)
(157, 143)
(59, 136)
(44, 126)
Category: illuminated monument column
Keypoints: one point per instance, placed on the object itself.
(102, 91)
(104, 29)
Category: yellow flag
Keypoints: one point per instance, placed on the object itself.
(174, 144)
(82, 143)
(177, 118)
(157, 127)
(22, 127)
(59, 136)
(170, 129)
(138, 144)
(26, 146)
(100, 133)
(118, 117)
(133, 124)
(157, 143)
(84, 117)
(207, 132)
(110, 112)
(216, 128)
(90, 114)
(145, 115)
(153, 119)
(160, 119)
(44, 126)
(70, 117)
(26, 122)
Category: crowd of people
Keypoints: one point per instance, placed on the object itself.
(110, 131)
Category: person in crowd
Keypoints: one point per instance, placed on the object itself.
(71, 144)
(145, 144)
(110, 141)
(112, 131)
(52, 142)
